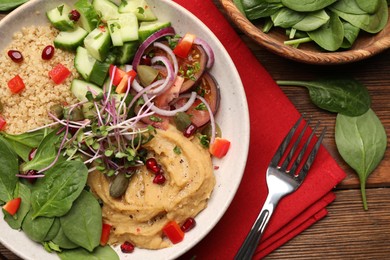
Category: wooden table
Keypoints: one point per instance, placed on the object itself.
(348, 232)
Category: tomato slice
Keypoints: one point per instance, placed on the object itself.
(59, 73)
(16, 84)
(123, 84)
(173, 231)
(3, 123)
(106, 229)
(184, 46)
(219, 147)
(12, 206)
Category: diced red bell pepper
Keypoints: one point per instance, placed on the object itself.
(3, 123)
(16, 84)
(173, 231)
(106, 229)
(220, 147)
(184, 46)
(122, 86)
(116, 76)
(59, 73)
(12, 206)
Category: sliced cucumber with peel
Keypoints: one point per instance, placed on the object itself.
(88, 16)
(99, 73)
(80, 88)
(115, 32)
(106, 9)
(59, 17)
(124, 54)
(70, 40)
(148, 28)
(140, 8)
(98, 43)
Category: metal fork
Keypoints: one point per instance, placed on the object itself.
(283, 177)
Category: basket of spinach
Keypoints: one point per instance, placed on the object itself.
(331, 24)
(359, 134)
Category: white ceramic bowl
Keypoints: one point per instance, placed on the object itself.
(232, 117)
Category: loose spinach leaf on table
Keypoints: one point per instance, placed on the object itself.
(46, 152)
(100, 253)
(7, 5)
(329, 36)
(53, 195)
(345, 96)
(9, 167)
(83, 223)
(16, 220)
(24, 143)
(361, 141)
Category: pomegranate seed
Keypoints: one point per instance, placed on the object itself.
(190, 130)
(188, 224)
(127, 247)
(32, 154)
(74, 15)
(159, 179)
(15, 56)
(48, 52)
(152, 165)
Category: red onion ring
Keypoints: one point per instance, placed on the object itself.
(164, 112)
(208, 50)
(168, 31)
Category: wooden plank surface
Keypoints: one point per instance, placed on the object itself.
(348, 232)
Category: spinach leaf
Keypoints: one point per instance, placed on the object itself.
(368, 6)
(7, 5)
(350, 34)
(23, 143)
(346, 96)
(9, 168)
(53, 195)
(371, 23)
(100, 253)
(255, 9)
(53, 231)
(329, 36)
(16, 220)
(286, 18)
(348, 7)
(83, 223)
(312, 21)
(238, 3)
(361, 142)
(63, 241)
(45, 154)
(36, 228)
(307, 5)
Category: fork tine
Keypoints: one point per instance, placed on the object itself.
(287, 160)
(305, 168)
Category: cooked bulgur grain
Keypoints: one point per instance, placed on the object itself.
(28, 109)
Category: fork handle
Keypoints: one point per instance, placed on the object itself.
(249, 246)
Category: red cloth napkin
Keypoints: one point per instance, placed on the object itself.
(271, 116)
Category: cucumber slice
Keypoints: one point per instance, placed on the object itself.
(115, 32)
(148, 28)
(80, 88)
(99, 73)
(88, 16)
(128, 27)
(124, 54)
(139, 7)
(59, 17)
(98, 43)
(106, 9)
(70, 40)
(84, 62)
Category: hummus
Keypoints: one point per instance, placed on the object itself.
(141, 213)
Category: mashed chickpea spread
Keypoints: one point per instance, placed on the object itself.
(141, 213)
